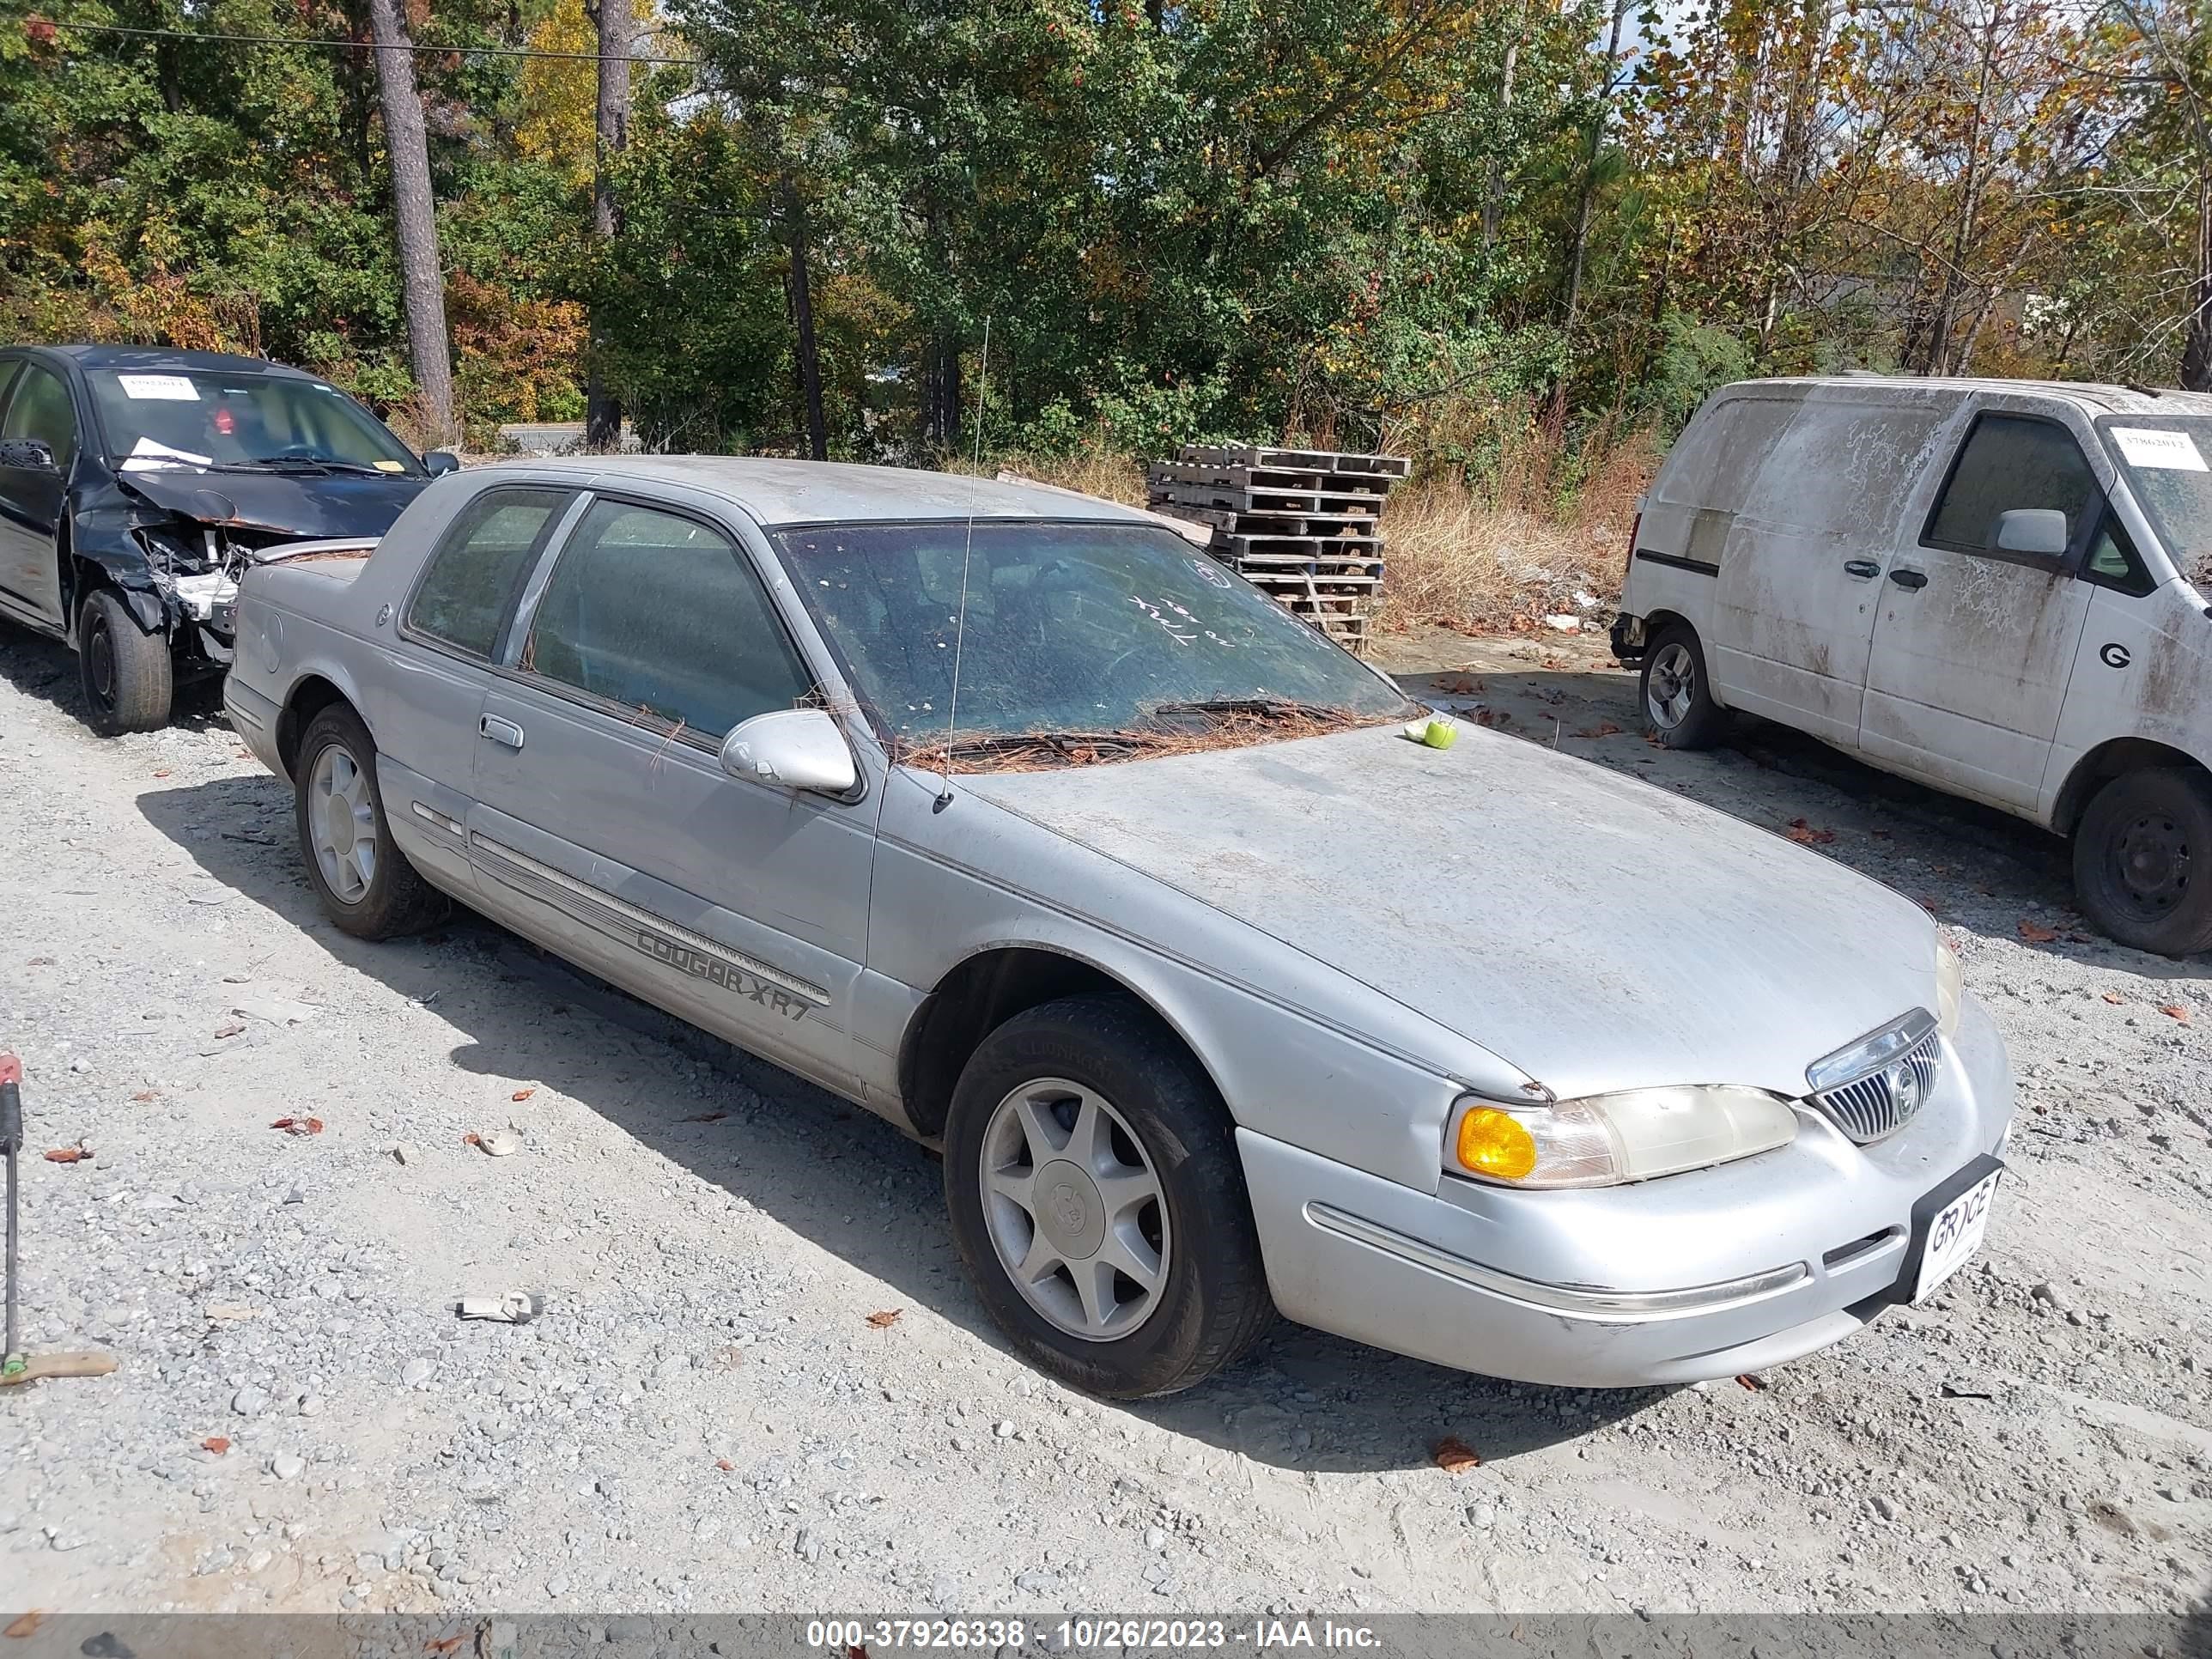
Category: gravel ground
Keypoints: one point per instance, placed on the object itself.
(718, 1409)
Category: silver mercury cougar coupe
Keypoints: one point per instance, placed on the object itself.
(1222, 997)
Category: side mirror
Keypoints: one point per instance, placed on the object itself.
(797, 748)
(2040, 530)
(28, 454)
(439, 462)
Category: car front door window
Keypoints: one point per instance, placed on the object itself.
(2010, 462)
(660, 616)
(42, 409)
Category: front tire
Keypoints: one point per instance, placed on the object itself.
(1098, 1202)
(1679, 709)
(365, 883)
(129, 681)
(2142, 861)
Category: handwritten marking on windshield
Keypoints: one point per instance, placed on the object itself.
(1181, 619)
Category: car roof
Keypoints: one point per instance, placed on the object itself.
(2096, 399)
(777, 491)
(162, 360)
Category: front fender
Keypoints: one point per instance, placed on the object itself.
(102, 551)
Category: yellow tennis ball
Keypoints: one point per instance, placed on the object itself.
(1440, 734)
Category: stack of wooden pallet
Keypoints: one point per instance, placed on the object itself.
(1305, 525)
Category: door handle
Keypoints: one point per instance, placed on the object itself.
(500, 730)
(1865, 570)
(1909, 578)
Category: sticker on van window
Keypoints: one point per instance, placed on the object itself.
(163, 388)
(2174, 451)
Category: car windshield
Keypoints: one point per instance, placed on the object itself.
(2167, 462)
(194, 418)
(1082, 642)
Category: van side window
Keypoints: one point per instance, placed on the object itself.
(2113, 561)
(2008, 462)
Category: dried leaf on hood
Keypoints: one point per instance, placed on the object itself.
(1455, 1456)
(2035, 933)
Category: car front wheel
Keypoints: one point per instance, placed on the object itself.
(127, 676)
(366, 885)
(2142, 861)
(1098, 1203)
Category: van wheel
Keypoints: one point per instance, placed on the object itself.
(365, 883)
(1098, 1202)
(127, 676)
(2142, 861)
(1678, 700)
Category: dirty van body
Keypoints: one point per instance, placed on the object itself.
(1220, 996)
(1997, 588)
(134, 482)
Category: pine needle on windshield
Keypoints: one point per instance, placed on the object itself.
(974, 753)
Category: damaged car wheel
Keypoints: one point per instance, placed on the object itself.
(365, 883)
(126, 670)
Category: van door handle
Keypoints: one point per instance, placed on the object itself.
(1909, 578)
(1865, 570)
(500, 730)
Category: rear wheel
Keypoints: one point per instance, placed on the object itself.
(2142, 861)
(126, 673)
(1678, 700)
(1098, 1202)
(365, 883)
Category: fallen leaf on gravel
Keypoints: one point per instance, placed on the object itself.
(1750, 1380)
(29, 1622)
(1602, 729)
(472, 1138)
(299, 1126)
(79, 1153)
(522, 1094)
(216, 1443)
(886, 1319)
(144, 1095)
(442, 1643)
(1652, 738)
(723, 1464)
(1806, 836)
(2115, 998)
(230, 1031)
(163, 772)
(707, 1117)
(2170, 1010)
(2035, 933)
(1455, 1456)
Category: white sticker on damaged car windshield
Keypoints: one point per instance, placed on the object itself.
(163, 388)
(147, 456)
(2175, 451)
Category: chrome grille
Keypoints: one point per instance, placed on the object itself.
(1867, 1108)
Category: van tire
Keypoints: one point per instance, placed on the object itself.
(129, 681)
(1679, 710)
(2142, 861)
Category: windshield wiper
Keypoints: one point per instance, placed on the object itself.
(296, 462)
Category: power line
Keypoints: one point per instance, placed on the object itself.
(346, 46)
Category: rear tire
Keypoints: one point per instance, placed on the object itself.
(2142, 861)
(1679, 709)
(129, 681)
(365, 883)
(1084, 1140)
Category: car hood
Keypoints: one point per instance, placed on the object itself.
(336, 504)
(1595, 931)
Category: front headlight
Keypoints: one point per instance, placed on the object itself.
(1950, 987)
(1604, 1140)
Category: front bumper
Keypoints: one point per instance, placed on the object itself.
(1675, 1280)
(1627, 637)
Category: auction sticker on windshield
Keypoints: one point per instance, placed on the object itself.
(2175, 451)
(1954, 1235)
(162, 388)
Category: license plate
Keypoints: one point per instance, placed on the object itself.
(1954, 1235)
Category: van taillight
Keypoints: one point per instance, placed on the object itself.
(1634, 525)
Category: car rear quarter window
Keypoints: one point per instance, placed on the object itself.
(2010, 462)
(661, 615)
(473, 573)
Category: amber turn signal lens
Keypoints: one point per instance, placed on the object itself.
(1496, 1144)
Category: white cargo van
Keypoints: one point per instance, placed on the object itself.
(1997, 587)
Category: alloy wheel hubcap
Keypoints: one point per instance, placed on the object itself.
(1074, 1209)
(1673, 685)
(342, 824)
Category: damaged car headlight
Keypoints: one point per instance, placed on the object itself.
(1603, 1140)
(1950, 988)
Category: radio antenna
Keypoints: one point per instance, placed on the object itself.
(960, 619)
